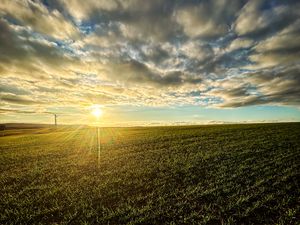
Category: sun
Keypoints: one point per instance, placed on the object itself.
(96, 111)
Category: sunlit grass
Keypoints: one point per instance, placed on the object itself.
(207, 174)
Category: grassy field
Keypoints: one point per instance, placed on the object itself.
(221, 174)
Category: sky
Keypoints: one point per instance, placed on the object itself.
(158, 62)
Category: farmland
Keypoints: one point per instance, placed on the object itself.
(214, 174)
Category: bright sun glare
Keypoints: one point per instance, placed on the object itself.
(96, 111)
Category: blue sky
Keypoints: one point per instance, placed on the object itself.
(150, 63)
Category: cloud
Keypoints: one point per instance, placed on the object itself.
(7, 111)
(257, 18)
(209, 53)
(240, 43)
(83, 11)
(197, 50)
(207, 19)
(286, 40)
(136, 72)
(7, 88)
(136, 19)
(18, 99)
(24, 51)
(156, 53)
(280, 86)
(280, 49)
(277, 87)
(36, 15)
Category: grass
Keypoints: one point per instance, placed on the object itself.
(221, 174)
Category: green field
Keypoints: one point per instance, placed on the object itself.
(217, 174)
